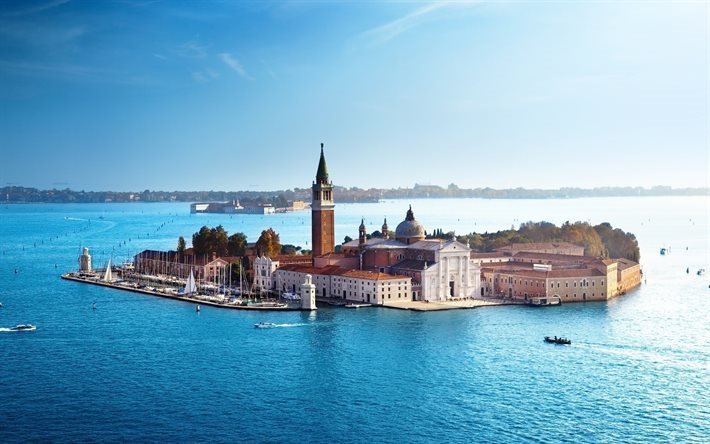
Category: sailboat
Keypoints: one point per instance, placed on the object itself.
(190, 287)
(108, 276)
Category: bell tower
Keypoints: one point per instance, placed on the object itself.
(322, 211)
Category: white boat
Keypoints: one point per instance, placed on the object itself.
(701, 272)
(190, 286)
(264, 325)
(542, 302)
(357, 305)
(24, 327)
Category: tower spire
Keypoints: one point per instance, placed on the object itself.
(322, 173)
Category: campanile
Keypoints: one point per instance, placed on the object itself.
(322, 211)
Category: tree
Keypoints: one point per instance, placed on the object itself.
(181, 245)
(347, 239)
(269, 243)
(201, 241)
(236, 244)
(219, 241)
(289, 249)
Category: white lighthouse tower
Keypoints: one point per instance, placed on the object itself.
(308, 294)
(85, 261)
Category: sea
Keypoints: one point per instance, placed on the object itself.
(145, 369)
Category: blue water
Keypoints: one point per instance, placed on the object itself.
(141, 368)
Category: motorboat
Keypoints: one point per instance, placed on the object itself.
(556, 340)
(701, 272)
(264, 325)
(24, 327)
(357, 305)
(541, 302)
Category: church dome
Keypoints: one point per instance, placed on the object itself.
(409, 230)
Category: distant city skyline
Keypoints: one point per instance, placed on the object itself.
(134, 95)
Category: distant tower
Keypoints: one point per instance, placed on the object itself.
(308, 294)
(85, 261)
(322, 211)
(385, 230)
(363, 233)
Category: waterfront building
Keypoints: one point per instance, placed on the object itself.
(572, 278)
(333, 282)
(368, 270)
(440, 269)
(264, 268)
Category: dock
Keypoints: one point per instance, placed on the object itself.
(129, 286)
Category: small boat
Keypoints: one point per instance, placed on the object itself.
(24, 327)
(701, 272)
(556, 340)
(357, 305)
(663, 251)
(542, 302)
(197, 309)
(264, 325)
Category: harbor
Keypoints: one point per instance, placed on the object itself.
(195, 298)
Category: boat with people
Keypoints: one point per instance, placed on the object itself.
(701, 272)
(556, 340)
(24, 327)
(264, 325)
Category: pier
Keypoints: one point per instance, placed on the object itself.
(196, 299)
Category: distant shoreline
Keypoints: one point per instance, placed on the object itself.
(24, 195)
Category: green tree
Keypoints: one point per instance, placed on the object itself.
(218, 241)
(269, 243)
(201, 241)
(236, 244)
(347, 239)
(181, 245)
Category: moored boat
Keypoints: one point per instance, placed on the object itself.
(542, 302)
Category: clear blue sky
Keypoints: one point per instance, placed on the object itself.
(140, 94)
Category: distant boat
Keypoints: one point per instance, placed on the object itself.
(663, 251)
(24, 327)
(197, 308)
(190, 286)
(701, 272)
(264, 325)
(556, 340)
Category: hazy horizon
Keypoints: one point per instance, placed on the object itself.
(128, 96)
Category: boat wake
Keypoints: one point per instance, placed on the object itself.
(271, 325)
(637, 354)
(16, 329)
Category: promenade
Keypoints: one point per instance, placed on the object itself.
(450, 305)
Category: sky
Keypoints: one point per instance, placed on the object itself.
(224, 95)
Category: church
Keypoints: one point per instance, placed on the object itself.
(398, 267)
